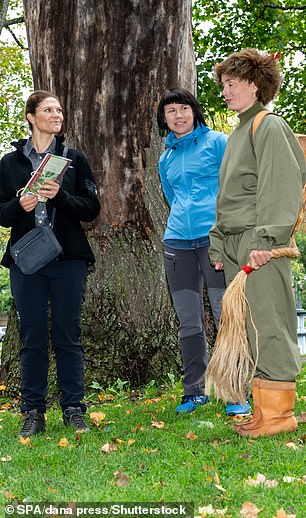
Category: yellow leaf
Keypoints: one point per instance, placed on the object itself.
(148, 401)
(158, 424)
(218, 415)
(191, 436)
(24, 440)
(150, 451)
(131, 441)
(9, 495)
(2, 388)
(97, 417)
(53, 490)
(108, 448)
(119, 441)
(63, 442)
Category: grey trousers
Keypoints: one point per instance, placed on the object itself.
(187, 271)
(270, 297)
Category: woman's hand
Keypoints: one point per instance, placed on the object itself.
(218, 265)
(258, 258)
(28, 202)
(49, 189)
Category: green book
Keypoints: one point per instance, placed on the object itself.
(52, 167)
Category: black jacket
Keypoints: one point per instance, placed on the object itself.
(76, 201)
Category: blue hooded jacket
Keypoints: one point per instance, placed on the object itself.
(189, 173)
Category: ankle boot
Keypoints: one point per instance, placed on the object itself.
(256, 412)
(273, 409)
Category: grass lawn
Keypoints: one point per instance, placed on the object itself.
(142, 452)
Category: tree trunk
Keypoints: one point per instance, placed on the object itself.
(109, 62)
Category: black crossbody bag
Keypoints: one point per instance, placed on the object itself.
(38, 247)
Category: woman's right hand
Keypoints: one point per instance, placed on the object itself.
(218, 265)
(29, 202)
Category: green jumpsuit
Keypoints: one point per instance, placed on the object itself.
(258, 204)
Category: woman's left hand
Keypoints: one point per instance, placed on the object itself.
(49, 189)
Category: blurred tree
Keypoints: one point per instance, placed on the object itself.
(222, 27)
(15, 72)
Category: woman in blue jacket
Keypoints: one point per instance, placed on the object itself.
(189, 170)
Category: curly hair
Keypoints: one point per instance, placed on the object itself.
(249, 65)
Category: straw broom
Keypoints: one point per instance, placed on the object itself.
(231, 367)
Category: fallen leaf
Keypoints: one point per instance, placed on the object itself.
(108, 448)
(121, 479)
(158, 424)
(281, 513)
(271, 483)
(129, 412)
(209, 510)
(97, 417)
(289, 479)
(2, 388)
(300, 418)
(191, 436)
(138, 428)
(9, 495)
(218, 416)
(24, 440)
(292, 445)
(131, 441)
(215, 443)
(119, 441)
(53, 490)
(216, 478)
(250, 510)
(150, 451)
(63, 442)
(218, 486)
(6, 458)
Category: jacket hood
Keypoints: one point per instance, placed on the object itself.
(172, 140)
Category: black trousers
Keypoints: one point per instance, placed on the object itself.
(60, 283)
(186, 272)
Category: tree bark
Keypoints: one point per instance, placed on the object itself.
(109, 62)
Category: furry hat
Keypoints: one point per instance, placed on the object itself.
(249, 65)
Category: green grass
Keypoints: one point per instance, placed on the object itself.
(161, 465)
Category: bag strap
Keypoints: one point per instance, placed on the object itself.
(257, 120)
(53, 209)
(51, 223)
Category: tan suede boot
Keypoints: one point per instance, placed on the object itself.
(273, 409)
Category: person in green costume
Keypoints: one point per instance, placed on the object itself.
(259, 201)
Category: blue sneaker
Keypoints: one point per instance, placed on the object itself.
(190, 403)
(233, 409)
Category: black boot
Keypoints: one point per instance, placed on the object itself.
(73, 417)
(33, 423)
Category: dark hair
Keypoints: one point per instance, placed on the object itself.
(179, 96)
(34, 100)
(249, 65)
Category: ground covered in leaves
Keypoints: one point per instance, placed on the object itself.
(138, 450)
